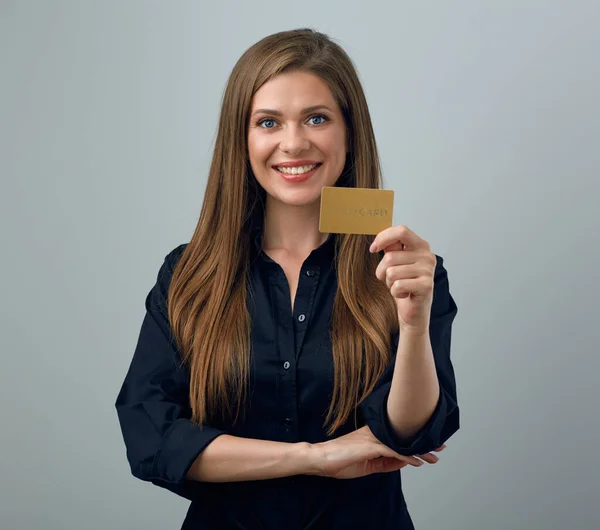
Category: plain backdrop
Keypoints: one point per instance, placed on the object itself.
(487, 117)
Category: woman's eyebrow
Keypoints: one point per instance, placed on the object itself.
(303, 111)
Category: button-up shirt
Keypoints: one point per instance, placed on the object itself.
(291, 381)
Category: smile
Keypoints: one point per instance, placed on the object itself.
(297, 174)
(296, 170)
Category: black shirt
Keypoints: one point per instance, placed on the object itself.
(291, 382)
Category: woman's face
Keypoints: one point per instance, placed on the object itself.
(288, 132)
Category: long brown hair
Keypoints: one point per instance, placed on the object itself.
(207, 296)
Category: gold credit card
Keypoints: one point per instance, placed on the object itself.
(355, 210)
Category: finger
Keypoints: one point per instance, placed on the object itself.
(429, 458)
(397, 258)
(441, 448)
(384, 451)
(403, 272)
(410, 460)
(395, 234)
(414, 286)
(399, 272)
(414, 461)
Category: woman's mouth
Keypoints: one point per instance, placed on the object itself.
(297, 174)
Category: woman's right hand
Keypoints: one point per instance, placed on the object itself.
(360, 453)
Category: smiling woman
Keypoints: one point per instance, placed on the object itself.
(267, 353)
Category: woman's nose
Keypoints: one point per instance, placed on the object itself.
(294, 139)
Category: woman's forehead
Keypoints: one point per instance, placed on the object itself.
(293, 92)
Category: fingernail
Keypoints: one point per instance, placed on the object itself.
(372, 247)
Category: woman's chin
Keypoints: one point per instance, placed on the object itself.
(299, 198)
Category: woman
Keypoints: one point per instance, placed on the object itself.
(282, 376)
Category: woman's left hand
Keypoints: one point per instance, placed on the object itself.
(408, 269)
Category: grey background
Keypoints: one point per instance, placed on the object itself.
(486, 116)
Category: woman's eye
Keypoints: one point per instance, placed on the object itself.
(264, 121)
(319, 116)
(267, 120)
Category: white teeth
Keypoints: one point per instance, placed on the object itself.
(296, 170)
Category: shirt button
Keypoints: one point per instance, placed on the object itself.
(302, 318)
(288, 422)
(310, 273)
(286, 364)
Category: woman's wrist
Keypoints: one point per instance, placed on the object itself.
(311, 457)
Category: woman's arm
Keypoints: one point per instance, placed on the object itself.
(411, 410)
(230, 458)
(356, 454)
(415, 390)
(423, 369)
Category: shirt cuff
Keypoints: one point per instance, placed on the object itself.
(182, 444)
(439, 427)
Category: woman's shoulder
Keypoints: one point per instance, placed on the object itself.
(169, 262)
(174, 255)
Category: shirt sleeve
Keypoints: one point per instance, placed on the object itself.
(153, 406)
(444, 421)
